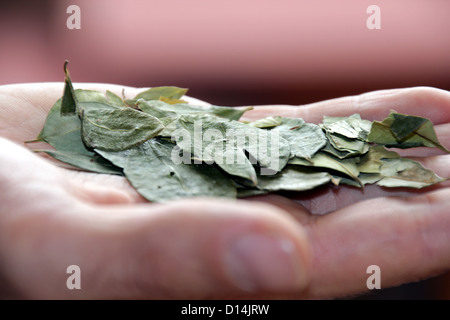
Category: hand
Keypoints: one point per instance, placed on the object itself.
(51, 218)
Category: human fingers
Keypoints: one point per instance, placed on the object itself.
(427, 102)
(190, 248)
(408, 238)
(102, 188)
(422, 101)
(186, 249)
(25, 175)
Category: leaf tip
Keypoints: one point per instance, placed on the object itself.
(66, 70)
(33, 141)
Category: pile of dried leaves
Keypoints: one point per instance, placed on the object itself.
(169, 149)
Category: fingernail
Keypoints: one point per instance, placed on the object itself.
(263, 262)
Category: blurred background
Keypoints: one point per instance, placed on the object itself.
(236, 52)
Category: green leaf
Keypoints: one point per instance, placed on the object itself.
(92, 163)
(68, 103)
(323, 160)
(352, 127)
(117, 129)
(371, 161)
(232, 113)
(90, 96)
(200, 135)
(157, 92)
(169, 113)
(250, 192)
(404, 126)
(353, 147)
(402, 172)
(404, 131)
(268, 122)
(231, 158)
(369, 178)
(346, 135)
(293, 179)
(157, 108)
(364, 178)
(156, 177)
(118, 158)
(329, 120)
(210, 139)
(336, 153)
(305, 139)
(115, 100)
(172, 101)
(63, 133)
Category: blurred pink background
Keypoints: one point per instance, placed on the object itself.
(231, 52)
(234, 52)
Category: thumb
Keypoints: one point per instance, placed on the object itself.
(191, 249)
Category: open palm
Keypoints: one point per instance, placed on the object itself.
(51, 218)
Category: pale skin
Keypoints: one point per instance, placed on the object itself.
(271, 246)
